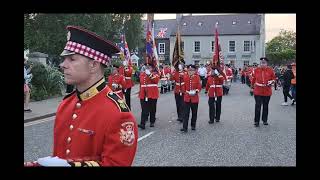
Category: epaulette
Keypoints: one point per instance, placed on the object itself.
(65, 97)
(123, 107)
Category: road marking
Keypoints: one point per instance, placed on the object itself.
(39, 121)
(145, 136)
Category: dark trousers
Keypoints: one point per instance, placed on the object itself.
(179, 105)
(261, 101)
(248, 81)
(203, 81)
(243, 81)
(127, 95)
(214, 108)
(148, 108)
(286, 94)
(293, 92)
(164, 88)
(194, 110)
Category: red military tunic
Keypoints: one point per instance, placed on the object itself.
(149, 86)
(260, 80)
(192, 83)
(163, 75)
(178, 77)
(127, 73)
(229, 73)
(95, 128)
(214, 86)
(120, 81)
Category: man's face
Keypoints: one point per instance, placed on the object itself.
(263, 63)
(191, 71)
(76, 69)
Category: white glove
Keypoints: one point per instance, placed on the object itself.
(148, 72)
(180, 67)
(216, 72)
(53, 161)
(269, 83)
(125, 63)
(192, 92)
(115, 86)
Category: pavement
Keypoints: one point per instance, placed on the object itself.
(47, 108)
(234, 141)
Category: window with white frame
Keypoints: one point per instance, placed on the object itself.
(246, 46)
(197, 46)
(245, 63)
(212, 46)
(162, 48)
(232, 46)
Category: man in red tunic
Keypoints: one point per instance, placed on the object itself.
(215, 92)
(116, 81)
(148, 94)
(262, 80)
(191, 97)
(126, 70)
(93, 126)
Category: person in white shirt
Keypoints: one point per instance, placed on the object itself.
(202, 71)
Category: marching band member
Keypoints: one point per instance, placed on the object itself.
(116, 81)
(191, 97)
(262, 80)
(149, 93)
(215, 92)
(179, 90)
(126, 70)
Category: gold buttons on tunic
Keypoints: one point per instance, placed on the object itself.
(67, 151)
(71, 127)
(69, 139)
(74, 116)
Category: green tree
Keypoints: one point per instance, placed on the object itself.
(282, 48)
(46, 33)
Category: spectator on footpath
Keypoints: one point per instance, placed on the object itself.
(27, 79)
(202, 71)
(278, 74)
(287, 77)
(293, 83)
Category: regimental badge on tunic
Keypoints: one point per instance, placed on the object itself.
(127, 136)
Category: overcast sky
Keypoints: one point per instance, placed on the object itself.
(274, 22)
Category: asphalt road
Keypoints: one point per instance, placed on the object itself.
(234, 141)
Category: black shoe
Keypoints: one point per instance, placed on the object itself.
(151, 124)
(184, 130)
(180, 120)
(211, 122)
(27, 110)
(217, 120)
(193, 128)
(265, 123)
(141, 126)
(256, 124)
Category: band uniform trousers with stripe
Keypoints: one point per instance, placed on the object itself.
(149, 109)
(194, 110)
(179, 104)
(127, 94)
(214, 108)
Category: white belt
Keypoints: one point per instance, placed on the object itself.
(214, 86)
(193, 89)
(117, 91)
(258, 84)
(127, 77)
(178, 84)
(150, 85)
(163, 78)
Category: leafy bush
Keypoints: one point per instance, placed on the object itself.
(47, 81)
